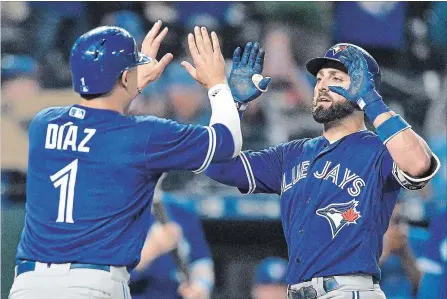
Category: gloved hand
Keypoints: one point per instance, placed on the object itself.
(361, 89)
(246, 82)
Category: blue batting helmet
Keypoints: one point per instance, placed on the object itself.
(100, 56)
(331, 60)
(271, 270)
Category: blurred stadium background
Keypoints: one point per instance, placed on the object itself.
(408, 39)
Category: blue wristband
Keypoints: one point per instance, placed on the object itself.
(391, 127)
(376, 106)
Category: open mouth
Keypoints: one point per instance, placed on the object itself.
(323, 99)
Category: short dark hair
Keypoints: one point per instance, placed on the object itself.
(90, 97)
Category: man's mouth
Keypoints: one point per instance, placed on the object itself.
(323, 99)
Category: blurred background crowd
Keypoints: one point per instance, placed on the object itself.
(408, 39)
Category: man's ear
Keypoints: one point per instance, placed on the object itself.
(124, 80)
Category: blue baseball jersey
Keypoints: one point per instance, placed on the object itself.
(336, 200)
(434, 280)
(159, 279)
(91, 179)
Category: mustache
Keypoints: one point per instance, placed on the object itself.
(320, 95)
(324, 94)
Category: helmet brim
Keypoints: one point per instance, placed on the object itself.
(314, 65)
(143, 59)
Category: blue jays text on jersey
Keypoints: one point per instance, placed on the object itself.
(336, 199)
(158, 280)
(91, 178)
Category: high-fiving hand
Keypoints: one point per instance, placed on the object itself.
(246, 81)
(148, 73)
(209, 63)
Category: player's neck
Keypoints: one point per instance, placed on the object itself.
(338, 129)
(106, 103)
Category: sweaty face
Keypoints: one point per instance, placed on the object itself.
(328, 106)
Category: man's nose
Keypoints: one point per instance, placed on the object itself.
(322, 85)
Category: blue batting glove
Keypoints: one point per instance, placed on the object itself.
(246, 82)
(361, 91)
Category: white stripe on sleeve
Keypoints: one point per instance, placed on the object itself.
(249, 173)
(210, 153)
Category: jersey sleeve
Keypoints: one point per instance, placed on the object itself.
(193, 233)
(175, 146)
(390, 171)
(251, 172)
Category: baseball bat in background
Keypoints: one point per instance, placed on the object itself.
(162, 217)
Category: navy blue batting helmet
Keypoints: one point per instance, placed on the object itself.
(331, 60)
(100, 56)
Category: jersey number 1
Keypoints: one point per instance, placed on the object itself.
(66, 180)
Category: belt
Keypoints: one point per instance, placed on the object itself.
(28, 266)
(309, 292)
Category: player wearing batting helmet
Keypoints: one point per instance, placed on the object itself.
(92, 169)
(337, 190)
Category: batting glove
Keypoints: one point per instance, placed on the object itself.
(246, 82)
(361, 91)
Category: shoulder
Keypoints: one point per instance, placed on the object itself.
(294, 145)
(369, 138)
(50, 111)
(149, 123)
(48, 114)
(145, 120)
(369, 143)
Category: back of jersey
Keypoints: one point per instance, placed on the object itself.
(88, 187)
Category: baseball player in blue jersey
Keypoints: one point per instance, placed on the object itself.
(434, 282)
(337, 190)
(155, 277)
(92, 170)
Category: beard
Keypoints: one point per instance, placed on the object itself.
(335, 111)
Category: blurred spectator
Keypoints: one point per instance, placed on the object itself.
(379, 27)
(128, 20)
(187, 98)
(270, 279)
(308, 14)
(370, 24)
(156, 275)
(253, 127)
(434, 280)
(58, 25)
(290, 96)
(19, 85)
(209, 14)
(437, 24)
(397, 262)
(14, 14)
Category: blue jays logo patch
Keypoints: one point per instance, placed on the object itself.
(339, 48)
(339, 215)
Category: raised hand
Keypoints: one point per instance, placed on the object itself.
(362, 83)
(209, 63)
(150, 72)
(246, 81)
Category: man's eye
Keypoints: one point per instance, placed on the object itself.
(337, 79)
(318, 79)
